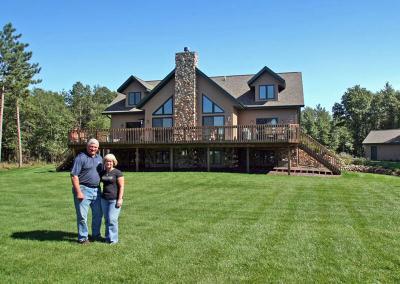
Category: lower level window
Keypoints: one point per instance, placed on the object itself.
(162, 122)
(162, 157)
(216, 157)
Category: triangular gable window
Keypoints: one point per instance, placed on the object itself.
(210, 107)
(165, 109)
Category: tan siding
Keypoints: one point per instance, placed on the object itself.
(283, 115)
(134, 87)
(154, 103)
(218, 97)
(265, 79)
(120, 120)
(385, 152)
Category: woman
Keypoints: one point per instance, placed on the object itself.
(111, 197)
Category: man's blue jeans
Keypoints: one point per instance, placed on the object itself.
(111, 214)
(92, 199)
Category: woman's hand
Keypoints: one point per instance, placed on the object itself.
(119, 203)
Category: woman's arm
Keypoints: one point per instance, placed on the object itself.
(121, 184)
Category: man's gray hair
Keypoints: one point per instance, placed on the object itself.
(93, 141)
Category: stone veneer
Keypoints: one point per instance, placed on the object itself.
(185, 89)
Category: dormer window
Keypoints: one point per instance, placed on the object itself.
(266, 92)
(134, 98)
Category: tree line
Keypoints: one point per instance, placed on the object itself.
(34, 123)
(45, 117)
(359, 112)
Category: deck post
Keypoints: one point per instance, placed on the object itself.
(289, 161)
(171, 159)
(137, 159)
(208, 159)
(247, 160)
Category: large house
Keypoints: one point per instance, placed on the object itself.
(189, 120)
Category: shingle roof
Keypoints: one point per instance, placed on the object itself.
(235, 85)
(389, 136)
(149, 85)
(265, 69)
(118, 105)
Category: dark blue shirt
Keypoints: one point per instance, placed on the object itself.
(87, 169)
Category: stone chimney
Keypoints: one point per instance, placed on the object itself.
(185, 89)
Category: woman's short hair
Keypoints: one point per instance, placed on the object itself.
(110, 157)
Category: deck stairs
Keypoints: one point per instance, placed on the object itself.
(66, 165)
(320, 153)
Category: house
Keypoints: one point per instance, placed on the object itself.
(189, 120)
(382, 145)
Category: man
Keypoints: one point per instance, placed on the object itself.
(85, 177)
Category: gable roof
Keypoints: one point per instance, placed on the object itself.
(265, 69)
(159, 86)
(225, 92)
(291, 96)
(198, 72)
(236, 87)
(118, 106)
(389, 136)
(131, 79)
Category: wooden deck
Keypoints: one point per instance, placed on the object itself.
(282, 134)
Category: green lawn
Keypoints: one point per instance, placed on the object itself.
(206, 227)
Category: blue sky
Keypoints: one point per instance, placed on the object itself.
(335, 44)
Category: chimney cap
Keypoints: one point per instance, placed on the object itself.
(186, 49)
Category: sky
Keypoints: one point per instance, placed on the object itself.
(335, 44)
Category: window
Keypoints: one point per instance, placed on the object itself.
(210, 107)
(165, 109)
(134, 98)
(162, 122)
(266, 92)
(136, 124)
(273, 120)
(217, 133)
(161, 157)
(216, 157)
(217, 120)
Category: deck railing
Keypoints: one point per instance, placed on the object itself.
(280, 133)
(321, 153)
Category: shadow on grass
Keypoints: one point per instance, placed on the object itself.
(45, 235)
(45, 171)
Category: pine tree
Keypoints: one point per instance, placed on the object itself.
(16, 72)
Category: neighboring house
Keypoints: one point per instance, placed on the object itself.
(382, 145)
(191, 120)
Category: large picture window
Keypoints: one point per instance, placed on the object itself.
(134, 98)
(266, 92)
(210, 107)
(165, 109)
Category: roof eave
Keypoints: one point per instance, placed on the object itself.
(129, 81)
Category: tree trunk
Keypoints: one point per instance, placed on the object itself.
(19, 136)
(2, 95)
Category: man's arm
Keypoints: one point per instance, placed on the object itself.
(77, 188)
